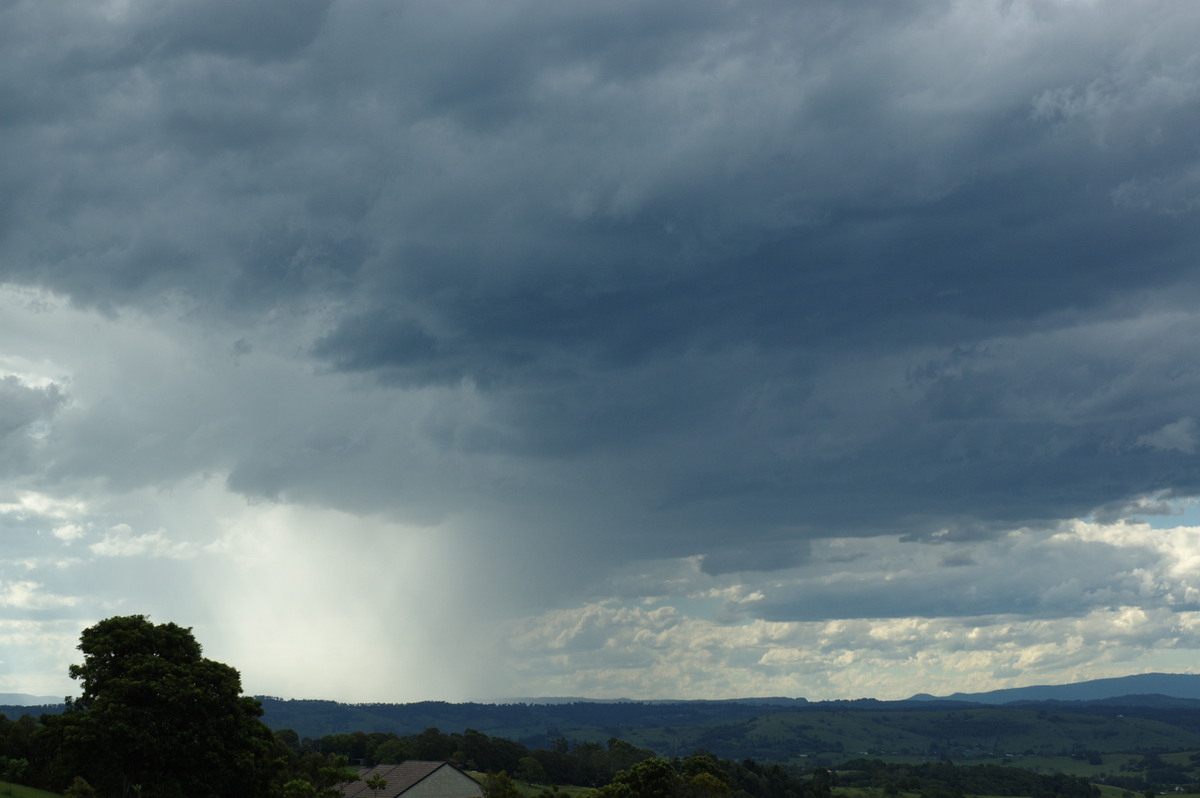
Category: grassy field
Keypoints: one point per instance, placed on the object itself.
(534, 789)
(17, 791)
(530, 790)
(1109, 763)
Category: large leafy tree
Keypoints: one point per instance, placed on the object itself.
(158, 720)
(650, 778)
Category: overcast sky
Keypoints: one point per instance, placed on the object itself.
(472, 350)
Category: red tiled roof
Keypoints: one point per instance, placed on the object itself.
(399, 778)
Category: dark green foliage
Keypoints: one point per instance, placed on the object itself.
(310, 774)
(21, 752)
(393, 752)
(584, 764)
(703, 776)
(431, 744)
(947, 780)
(530, 771)
(156, 719)
(704, 785)
(650, 778)
(79, 789)
(376, 783)
(499, 785)
(13, 770)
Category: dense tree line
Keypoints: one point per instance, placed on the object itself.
(536, 725)
(158, 720)
(63, 753)
(583, 764)
(700, 775)
(1151, 773)
(947, 780)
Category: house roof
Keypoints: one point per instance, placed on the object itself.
(400, 778)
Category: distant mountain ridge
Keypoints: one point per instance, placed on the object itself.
(1170, 685)
(1043, 721)
(765, 701)
(1174, 685)
(537, 721)
(1141, 686)
(1104, 716)
(26, 700)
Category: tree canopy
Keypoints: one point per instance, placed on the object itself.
(157, 719)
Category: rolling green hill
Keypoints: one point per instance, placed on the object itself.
(796, 734)
(957, 734)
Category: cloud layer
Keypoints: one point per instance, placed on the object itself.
(706, 349)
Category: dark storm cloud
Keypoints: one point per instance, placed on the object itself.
(1051, 578)
(762, 557)
(22, 406)
(263, 31)
(25, 412)
(791, 270)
